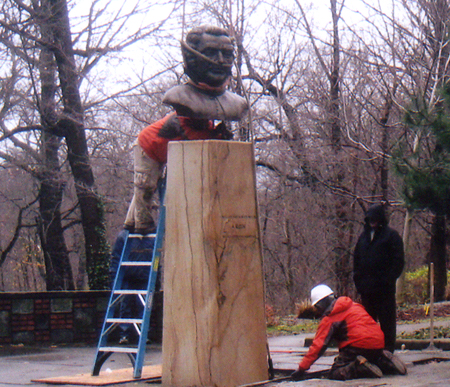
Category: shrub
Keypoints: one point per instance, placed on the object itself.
(271, 316)
(417, 286)
(424, 334)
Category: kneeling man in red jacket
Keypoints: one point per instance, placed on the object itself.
(359, 338)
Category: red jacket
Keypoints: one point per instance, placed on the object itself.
(155, 145)
(348, 324)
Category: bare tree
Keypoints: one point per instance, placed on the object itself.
(415, 56)
(54, 62)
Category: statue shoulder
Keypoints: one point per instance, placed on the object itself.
(193, 102)
(176, 94)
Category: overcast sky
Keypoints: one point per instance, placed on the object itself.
(143, 61)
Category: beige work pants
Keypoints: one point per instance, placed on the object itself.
(146, 175)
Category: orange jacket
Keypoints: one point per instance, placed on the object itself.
(348, 324)
(155, 146)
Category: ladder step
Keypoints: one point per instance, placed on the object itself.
(142, 236)
(118, 349)
(137, 263)
(124, 320)
(126, 292)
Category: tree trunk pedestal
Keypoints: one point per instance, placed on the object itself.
(214, 331)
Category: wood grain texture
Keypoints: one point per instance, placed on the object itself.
(124, 375)
(214, 325)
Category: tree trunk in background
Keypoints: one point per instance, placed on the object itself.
(400, 292)
(438, 255)
(335, 121)
(238, 30)
(384, 172)
(58, 271)
(70, 125)
(341, 249)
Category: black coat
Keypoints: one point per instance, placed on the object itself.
(377, 262)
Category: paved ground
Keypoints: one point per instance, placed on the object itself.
(426, 368)
(19, 365)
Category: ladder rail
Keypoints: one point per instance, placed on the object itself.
(113, 300)
(157, 250)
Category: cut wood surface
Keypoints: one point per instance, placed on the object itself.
(105, 378)
(214, 325)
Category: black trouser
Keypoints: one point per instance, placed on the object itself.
(383, 308)
(347, 367)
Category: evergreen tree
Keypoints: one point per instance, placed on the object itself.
(425, 171)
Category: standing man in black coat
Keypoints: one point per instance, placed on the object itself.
(378, 262)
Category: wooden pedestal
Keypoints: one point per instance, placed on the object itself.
(214, 331)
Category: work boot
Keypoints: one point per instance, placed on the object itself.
(145, 229)
(129, 228)
(391, 364)
(366, 369)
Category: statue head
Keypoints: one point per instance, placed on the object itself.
(208, 55)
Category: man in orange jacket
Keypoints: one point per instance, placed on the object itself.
(359, 338)
(208, 55)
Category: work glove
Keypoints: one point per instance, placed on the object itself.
(171, 128)
(298, 375)
(224, 132)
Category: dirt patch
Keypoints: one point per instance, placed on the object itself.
(415, 313)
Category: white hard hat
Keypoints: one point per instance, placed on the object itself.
(319, 292)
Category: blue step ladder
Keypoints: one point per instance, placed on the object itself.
(131, 259)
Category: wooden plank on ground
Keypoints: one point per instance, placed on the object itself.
(124, 375)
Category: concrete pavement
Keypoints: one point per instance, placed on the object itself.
(428, 367)
(19, 365)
